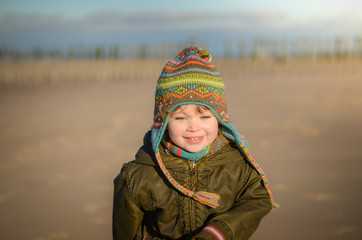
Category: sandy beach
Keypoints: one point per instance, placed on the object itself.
(67, 127)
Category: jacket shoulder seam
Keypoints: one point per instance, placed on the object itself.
(247, 177)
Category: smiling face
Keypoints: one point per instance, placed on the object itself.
(192, 127)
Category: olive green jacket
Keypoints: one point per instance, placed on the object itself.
(146, 206)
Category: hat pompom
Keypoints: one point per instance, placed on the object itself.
(204, 54)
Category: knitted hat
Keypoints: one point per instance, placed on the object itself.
(190, 78)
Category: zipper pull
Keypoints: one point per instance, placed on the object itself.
(193, 168)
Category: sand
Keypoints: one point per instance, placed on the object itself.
(64, 136)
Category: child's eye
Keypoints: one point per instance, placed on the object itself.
(205, 117)
(180, 118)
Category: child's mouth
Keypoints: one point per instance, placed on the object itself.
(194, 139)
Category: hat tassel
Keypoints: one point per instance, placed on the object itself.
(209, 199)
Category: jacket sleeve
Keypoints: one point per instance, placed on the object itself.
(252, 203)
(127, 216)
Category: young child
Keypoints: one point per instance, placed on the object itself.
(194, 177)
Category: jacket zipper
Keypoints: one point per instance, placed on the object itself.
(193, 171)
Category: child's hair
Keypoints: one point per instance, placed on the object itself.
(200, 109)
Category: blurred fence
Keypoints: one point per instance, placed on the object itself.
(258, 48)
(78, 71)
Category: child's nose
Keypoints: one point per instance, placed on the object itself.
(193, 125)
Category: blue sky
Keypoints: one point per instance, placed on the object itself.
(69, 8)
(51, 23)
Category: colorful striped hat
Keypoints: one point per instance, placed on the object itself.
(190, 78)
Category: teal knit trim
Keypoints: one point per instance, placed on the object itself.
(191, 156)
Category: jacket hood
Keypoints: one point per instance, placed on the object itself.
(145, 154)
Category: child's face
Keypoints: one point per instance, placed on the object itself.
(192, 129)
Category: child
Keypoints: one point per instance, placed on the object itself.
(194, 177)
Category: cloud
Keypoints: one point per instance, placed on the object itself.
(343, 24)
(152, 21)
(112, 26)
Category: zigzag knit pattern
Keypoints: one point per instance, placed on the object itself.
(192, 79)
